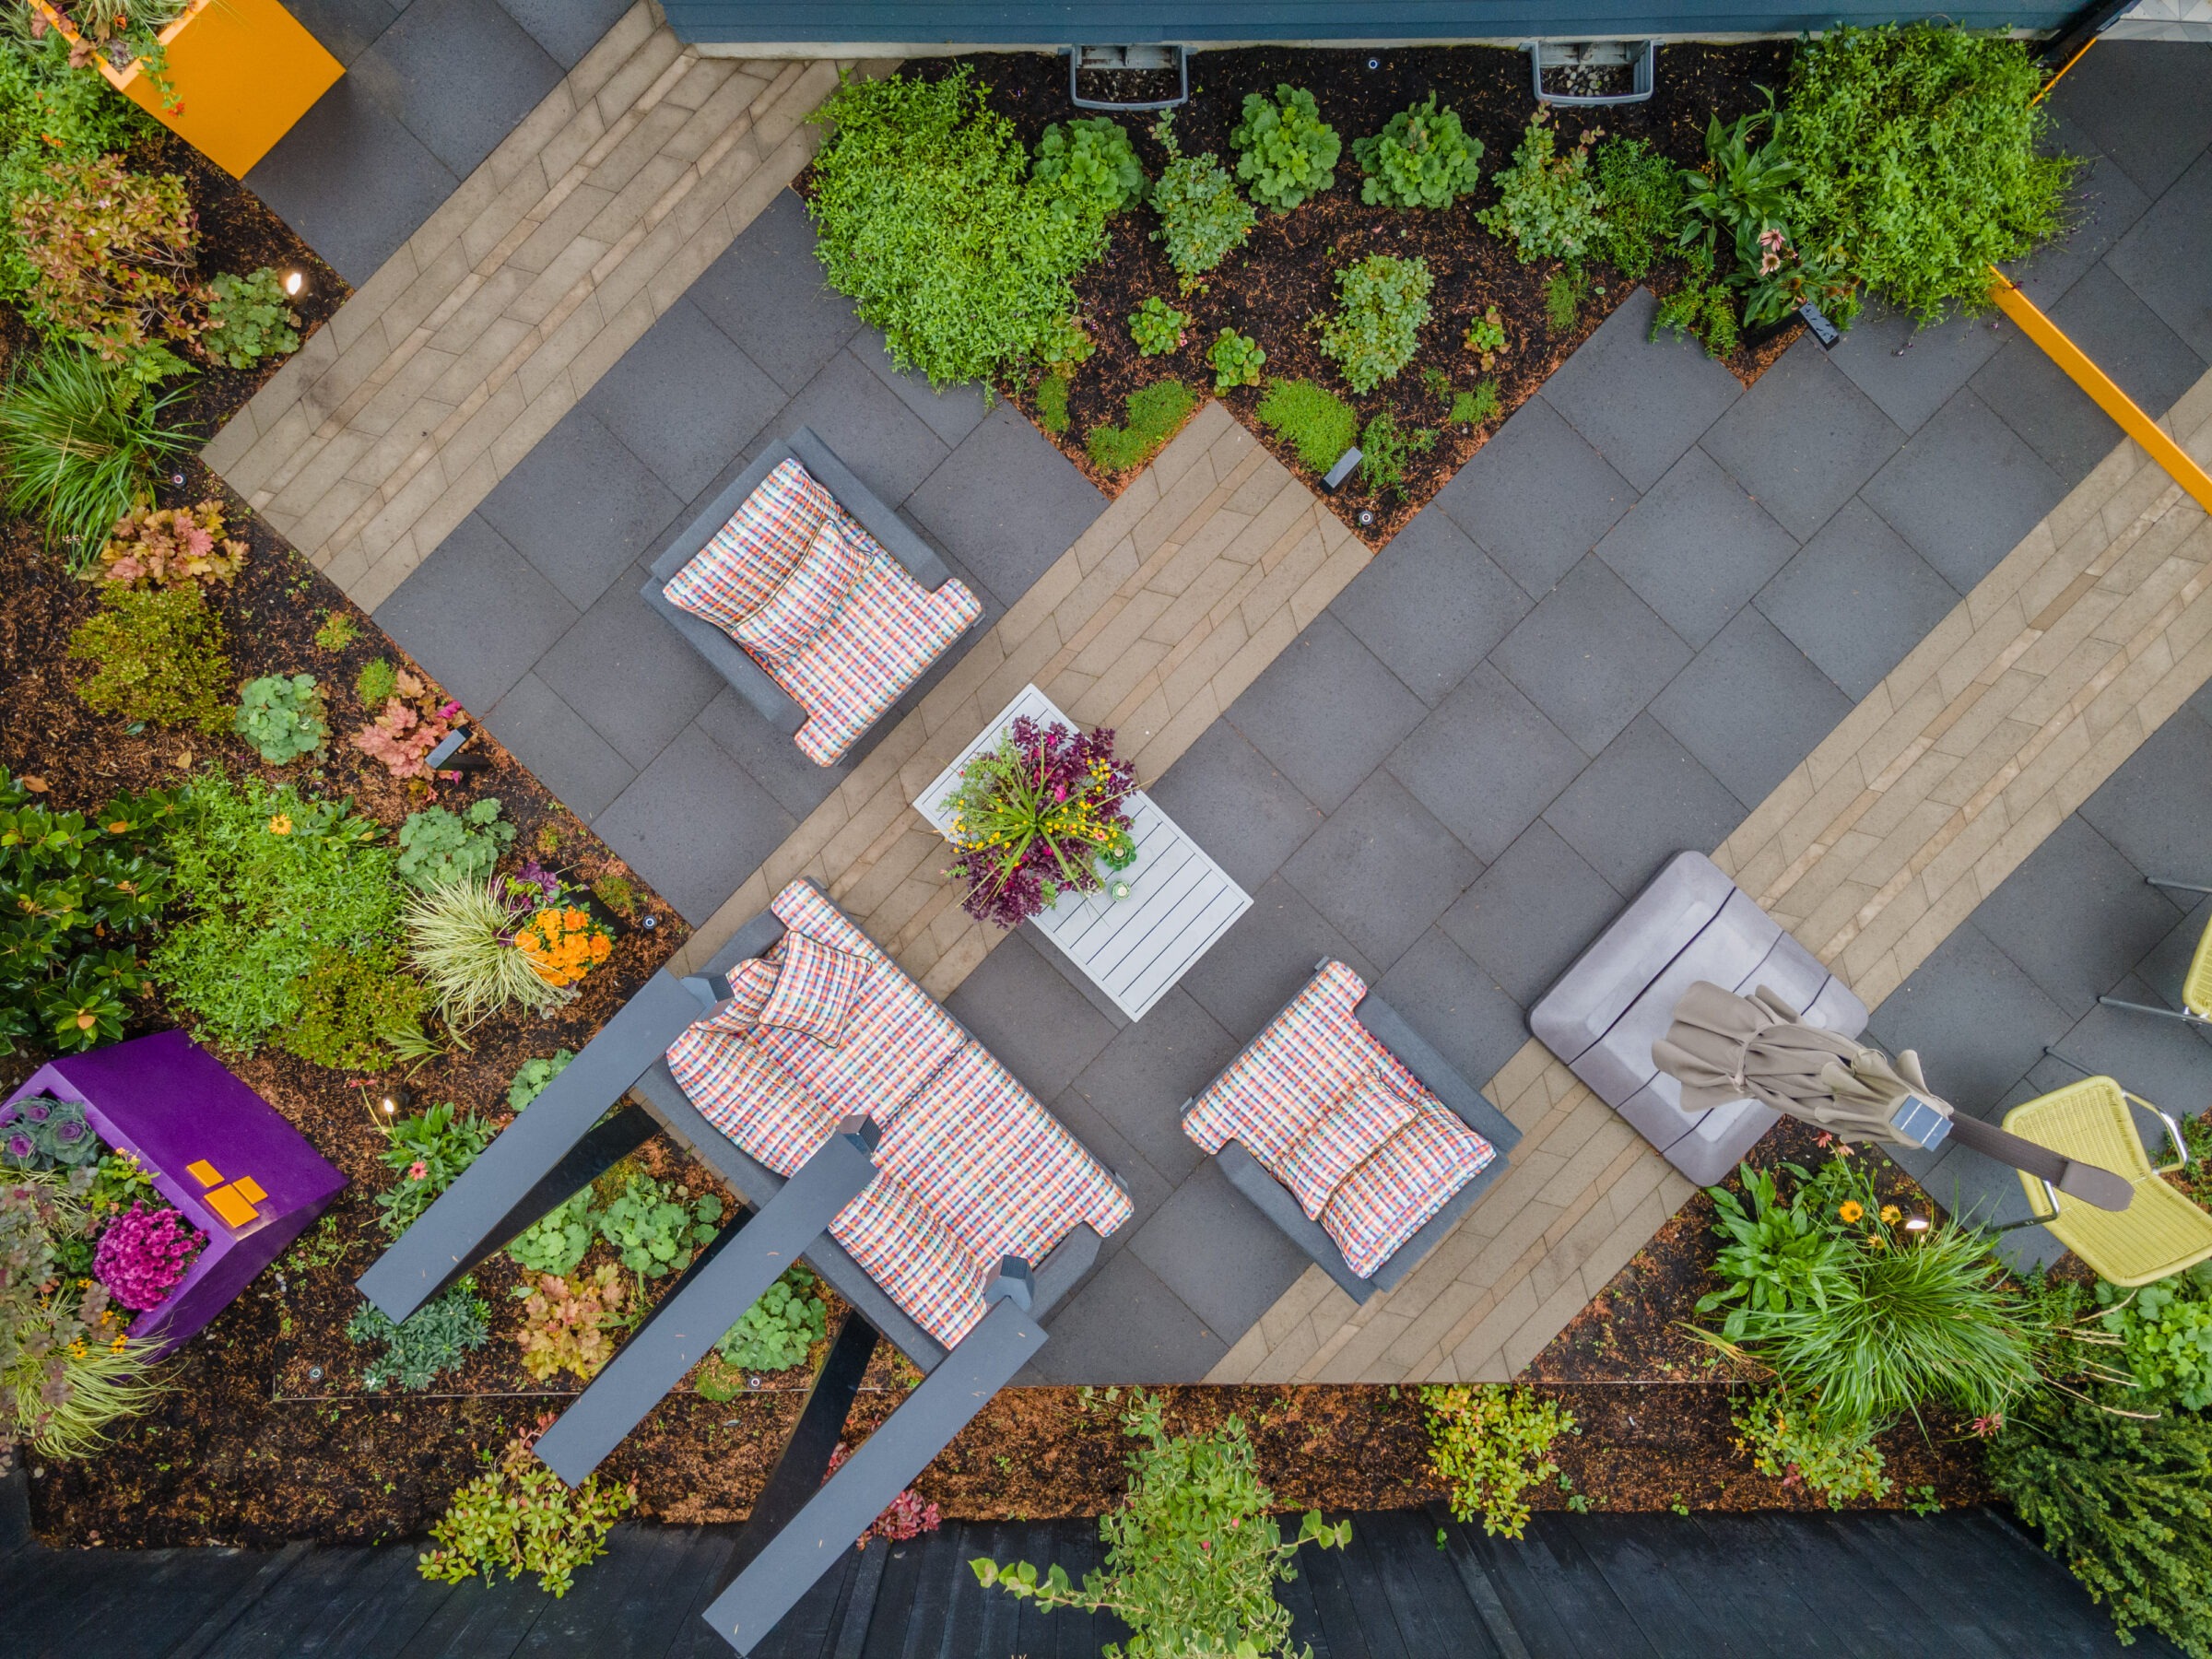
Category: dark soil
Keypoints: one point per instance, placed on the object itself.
(1281, 282)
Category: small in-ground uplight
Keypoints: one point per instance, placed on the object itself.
(391, 1100)
(294, 281)
(1916, 1224)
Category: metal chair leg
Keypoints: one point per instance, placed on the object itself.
(2137, 1007)
(2187, 887)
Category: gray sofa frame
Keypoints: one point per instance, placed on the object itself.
(751, 681)
(1280, 1206)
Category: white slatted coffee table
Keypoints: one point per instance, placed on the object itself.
(1179, 900)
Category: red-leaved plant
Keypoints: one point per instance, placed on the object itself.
(907, 1516)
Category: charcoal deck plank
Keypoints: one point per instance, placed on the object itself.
(1595, 1619)
(1431, 1606)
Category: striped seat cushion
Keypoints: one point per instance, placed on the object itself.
(818, 986)
(1344, 1138)
(749, 557)
(901, 1243)
(883, 639)
(809, 598)
(740, 1088)
(1392, 1194)
(752, 981)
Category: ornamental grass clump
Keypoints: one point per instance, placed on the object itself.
(462, 936)
(1040, 815)
(144, 1254)
(79, 445)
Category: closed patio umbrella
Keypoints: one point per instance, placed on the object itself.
(1723, 1047)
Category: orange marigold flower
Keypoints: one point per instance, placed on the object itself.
(1851, 1209)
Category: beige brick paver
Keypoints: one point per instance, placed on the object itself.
(529, 282)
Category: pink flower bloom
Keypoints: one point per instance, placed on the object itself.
(1770, 263)
(447, 709)
(418, 1170)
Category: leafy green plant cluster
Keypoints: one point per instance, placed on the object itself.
(436, 845)
(428, 1150)
(1791, 1441)
(1156, 412)
(248, 320)
(1643, 194)
(521, 1516)
(77, 890)
(1472, 408)
(559, 1240)
(156, 654)
(1422, 157)
(1312, 420)
(2124, 1503)
(533, 1075)
(1743, 187)
(1491, 1441)
(111, 257)
(777, 1331)
(1237, 360)
(925, 214)
(1156, 327)
(1918, 146)
(357, 1008)
(376, 684)
(655, 1231)
(1563, 298)
(1386, 449)
(1702, 308)
(1382, 304)
(1486, 336)
(1286, 152)
(1547, 204)
(281, 717)
(51, 111)
(568, 1324)
(1778, 1251)
(437, 1338)
(2167, 1331)
(1202, 218)
(1051, 404)
(80, 442)
(1193, 1554)
(271, 880)
(1090, 163)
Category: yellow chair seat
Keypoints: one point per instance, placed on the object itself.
(2196, 988)
(2160, 1232)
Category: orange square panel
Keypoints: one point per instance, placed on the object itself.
(203, 1172)
(249, 1189)
(227, 1203)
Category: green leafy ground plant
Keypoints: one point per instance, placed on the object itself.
(248, 320)
(1237, 360)
(1158, 327)
(111, 256)
(51, 111)
(428, 1151)
(1051, 404)
(438, 1338)
(778, 1331)
(377, 683)
(1090, 162)
(1791, 1441)
(560, 1238)
(2166, 1328)
(1490, 1442)
(1383, 303)
(1156, 413)
(357, 1009)
(1472, 408)
(1547, 204)
(1423, 157)
(436, 845)
(533, 1075)
(521, 1516)
(1286, 152)
(1386, 449)
(157, 654)
(1202, 218)
(1643, 195)
(655, 1231)
(281, 717)
(1312, 420)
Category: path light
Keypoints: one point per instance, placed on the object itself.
(392, 1100)
(1916, 1224)
(295, 283)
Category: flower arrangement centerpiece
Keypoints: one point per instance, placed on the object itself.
(1042, 814)
(563, 942)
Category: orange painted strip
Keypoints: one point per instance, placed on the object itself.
(2100, 388)
(2062, 74)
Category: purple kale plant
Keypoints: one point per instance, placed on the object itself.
(144, 1253)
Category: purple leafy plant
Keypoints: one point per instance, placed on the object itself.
(144, 1254)
(1038, 816)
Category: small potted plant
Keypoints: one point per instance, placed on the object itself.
(1040, 815)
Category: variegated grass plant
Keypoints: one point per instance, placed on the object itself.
(462, 936)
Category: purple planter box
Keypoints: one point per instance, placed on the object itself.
(227, 1159)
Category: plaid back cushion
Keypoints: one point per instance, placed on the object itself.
(903, 1245)
(739, 1088)
(1391, 1196)
(882, 640)
(816, 990)
(788, 619)
(749, 557)
(1343, 1137)
(751, 982)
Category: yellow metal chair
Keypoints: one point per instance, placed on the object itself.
(2160, 1231)
(2196, 987)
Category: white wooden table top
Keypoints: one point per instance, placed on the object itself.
(1180, 901)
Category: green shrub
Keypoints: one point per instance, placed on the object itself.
(1563, 298)
(560, 1238)
(50, 110)
(438, 1338)
(2125, 1504)
(1237, 360)
(1202, 218)
(655, 1232)
(270, 880)
(1790, 1441)
(75, 891)
(437, 846)
(1700, 307)
(1547, 204)
(111, 255)
(1192, 1555)
(1284, 151)
(1491, 1441)
(428, 1150)
(1381, 305)
(1312, 420)
(1779, 1252)
(1386, 449)
(2167, 1329)
(1091, 163)
(1643, 194)
(924, 216)
(1155, 413)
(377, 684)
(249, 320)
(520, 1515)
(158, 655)
(1156, 327)
(1472, 408)
(281, 717)
(356, 1007)
(777, 1331)
(533, 1075)
(79, 445)
(1918, 146)
(339, 629)
(1051, 404)
(1422, 158)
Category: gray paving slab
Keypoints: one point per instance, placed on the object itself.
(1486, 762)
(1642, 801)
(1259, 964)
(346, 27)
(1592, 654)
(1430, 605)
(888, 447)
(582, 507)
(1856, 599)
(2156, 805)
(1007, 499)
(1909, 371)
(1147, 1187)
(2076, 916)
(2102, 203)
(952, 412)
(352, 181)
(1697, 547)
(1326, 711)
(1025, 1011)
(1535, 497)
(1236, 804)
(1532, 912)
(2145, 105)
(685, 399)
(631, 676)
(1964, 489)
(1803, 440)
(559, 747)
(2167, 965)
(1125, 1326)
(1640, 402)
(1460, 1009)
(477, 614)
(460, 75)
(1381, 869)
(776, 763)
(767, 293)
(694, 825)
(1221, 1257)
(2161, 1060)
(2165, 254)
(2129, 341)
(1976, 1019)
(1751, 706)
(1139, 1081)
(566, 28)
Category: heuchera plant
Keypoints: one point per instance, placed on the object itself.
(909, 1515)
(145, 1255)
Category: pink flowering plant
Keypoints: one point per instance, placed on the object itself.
(909, 1515)
(1044, 813)
(144, 1254)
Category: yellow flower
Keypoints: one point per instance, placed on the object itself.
(117, 1345)
(1891, 1215)
(281, 824)
(1852, 1209)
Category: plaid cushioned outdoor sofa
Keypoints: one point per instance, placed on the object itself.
(1391, 1185)
(973, 1167)
(821, 638)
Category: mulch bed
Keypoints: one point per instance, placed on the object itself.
(1282, 280)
